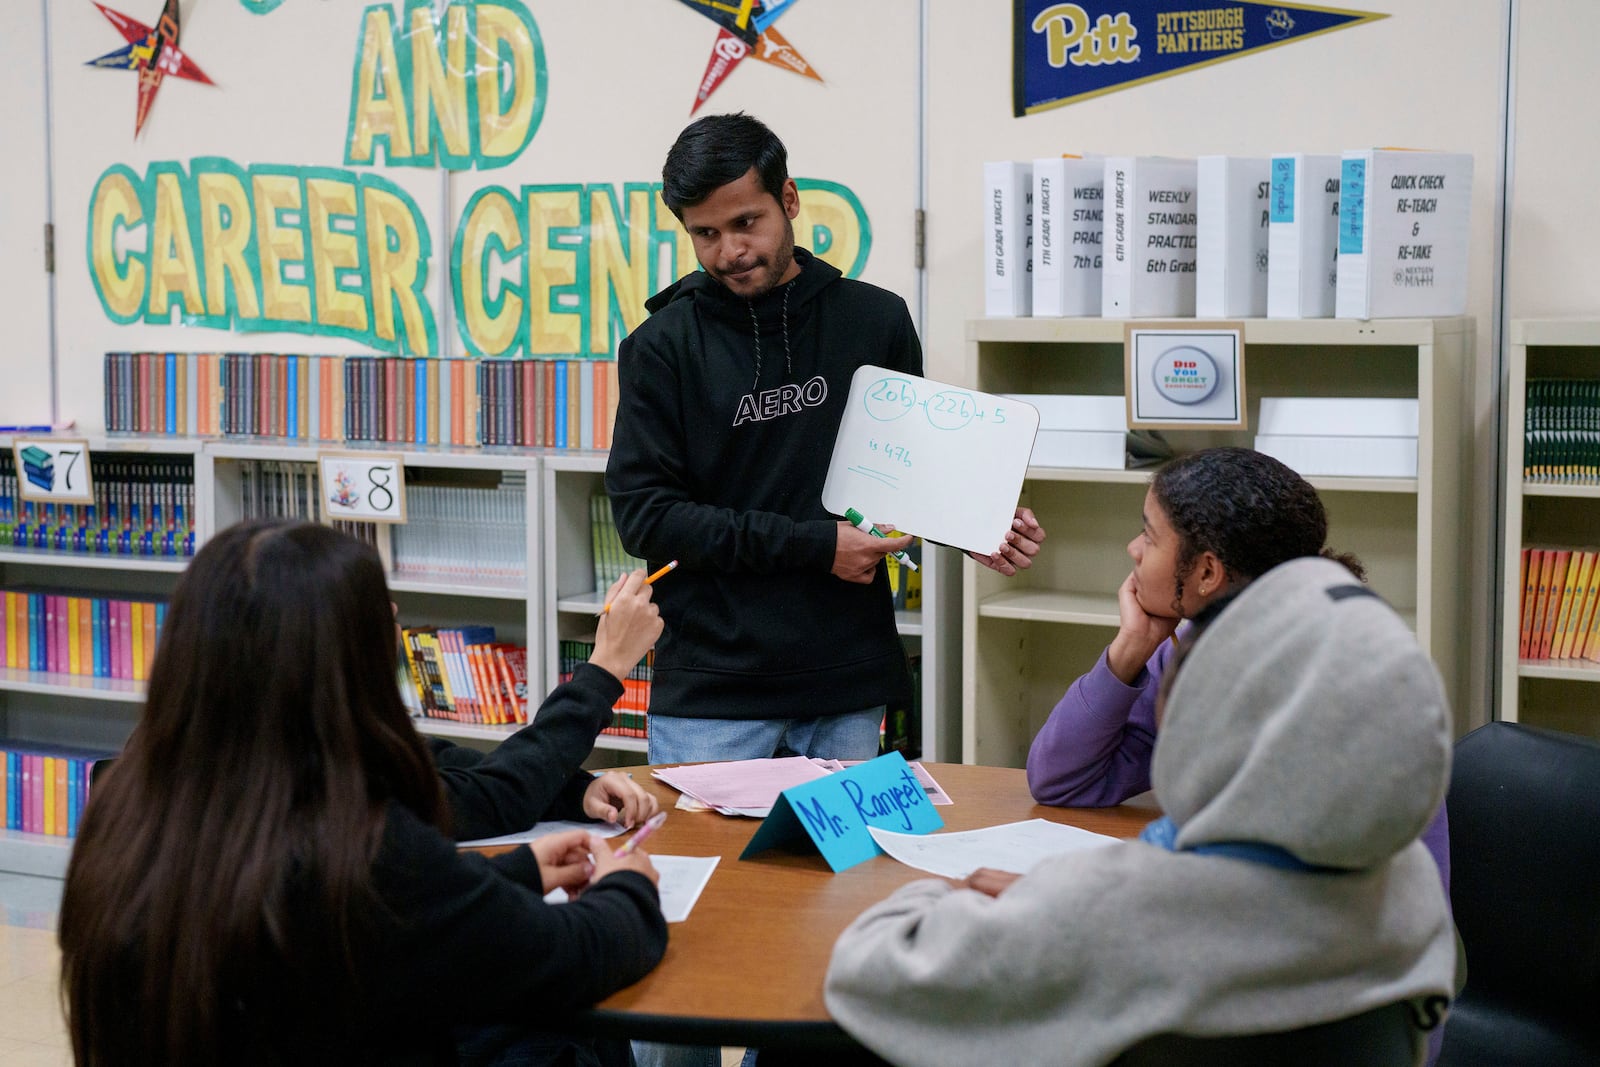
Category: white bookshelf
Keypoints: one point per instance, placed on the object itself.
(1561, 694)
(1025, 638)
(432, 598)
(45, 709)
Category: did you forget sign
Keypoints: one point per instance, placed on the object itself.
(835, 812)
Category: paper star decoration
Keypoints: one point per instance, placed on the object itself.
(152, 53)
(744, 28)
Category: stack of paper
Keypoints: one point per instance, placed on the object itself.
(742, 787)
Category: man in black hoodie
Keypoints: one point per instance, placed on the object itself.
(780, 634)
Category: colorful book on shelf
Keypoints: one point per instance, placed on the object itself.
(1584, 613)
(43, 788)
(1579, 573)
(1551, 600)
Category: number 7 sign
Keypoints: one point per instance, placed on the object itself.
(54, 469)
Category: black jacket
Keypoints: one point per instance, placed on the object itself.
(456, 938)
(725, 426)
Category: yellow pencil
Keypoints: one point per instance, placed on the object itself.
(648, 581)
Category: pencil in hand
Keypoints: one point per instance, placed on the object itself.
(648, 581)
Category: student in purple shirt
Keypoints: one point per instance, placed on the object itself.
(1213, 521)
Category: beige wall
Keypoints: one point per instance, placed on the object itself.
(1553, 245)
(24, 286)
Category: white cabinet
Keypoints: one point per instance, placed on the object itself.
(1025, 638)
(1558, 693)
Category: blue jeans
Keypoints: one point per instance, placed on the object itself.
(673, 739)
(847, 736)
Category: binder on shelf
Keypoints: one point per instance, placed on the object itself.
(1089, 431)
(1008, 230)
(1302, 236)
(1149, 239)
(1068, 205)
(1403, 234)
(1343, 416)
(1341, 436)
(1231, 237)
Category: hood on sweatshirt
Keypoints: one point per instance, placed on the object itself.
(1305, 717)
(772, 314)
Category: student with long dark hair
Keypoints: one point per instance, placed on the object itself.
(268, 875)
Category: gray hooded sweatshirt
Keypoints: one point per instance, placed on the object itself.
(1304, 719)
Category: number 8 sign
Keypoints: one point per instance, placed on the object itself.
(362, 486)
(54, 469)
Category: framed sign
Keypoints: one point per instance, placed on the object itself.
(362, 486)
(53, 469)
(1180, 376)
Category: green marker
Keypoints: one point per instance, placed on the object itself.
(859, 521)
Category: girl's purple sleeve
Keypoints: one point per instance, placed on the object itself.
(1095, 748)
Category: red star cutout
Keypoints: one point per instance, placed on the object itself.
(152, 53)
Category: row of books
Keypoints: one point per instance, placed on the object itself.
(1561, 432)
(88, 636)
(534, 403)
(464, 524)
(1560, 607)
(1371, 233)
(905, 584)
(630, 714)
(463, 674)
(144, 506)
(611, 560)
(43, 790)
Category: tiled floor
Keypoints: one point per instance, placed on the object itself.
(32, 1033)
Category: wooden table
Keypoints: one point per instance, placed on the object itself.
(746, 968)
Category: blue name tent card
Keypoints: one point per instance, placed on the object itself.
(834, 812)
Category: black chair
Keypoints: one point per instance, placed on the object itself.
(1383, 1037)
(1524, 809)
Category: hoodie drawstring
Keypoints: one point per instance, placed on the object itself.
(755, 325)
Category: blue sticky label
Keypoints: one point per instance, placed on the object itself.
(1352, 205)
(1282, 206)
(834, 812)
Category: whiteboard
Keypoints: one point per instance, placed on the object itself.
(935, 460)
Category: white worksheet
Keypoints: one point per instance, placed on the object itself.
(683, 878)
(1013, 846)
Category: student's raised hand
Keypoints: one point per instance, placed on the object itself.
(857, 553)
(988, 881)
(606, 861)
(564, 860)
(614, 797)
(626, 632)
(1022, 543)
(1139, 634)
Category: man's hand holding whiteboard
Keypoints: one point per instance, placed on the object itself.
(943, 462)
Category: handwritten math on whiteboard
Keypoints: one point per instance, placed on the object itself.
(936, 460)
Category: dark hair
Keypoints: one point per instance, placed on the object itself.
(716, 150)
(1247, 508)
(233, 840)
